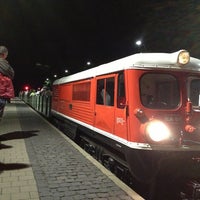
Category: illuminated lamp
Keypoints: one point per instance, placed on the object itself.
(26, 87)
(155, 131)
(183, 57)
(189, 128)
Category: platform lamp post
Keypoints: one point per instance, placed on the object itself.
(88, 63)
(140, 45)
(66, 71)
(43, 70)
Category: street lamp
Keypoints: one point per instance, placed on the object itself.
(140, 45)
(88, 63)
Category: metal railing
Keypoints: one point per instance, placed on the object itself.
(39, 102)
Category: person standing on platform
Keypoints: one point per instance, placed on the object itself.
(6, 77)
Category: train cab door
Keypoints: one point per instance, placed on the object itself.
(121, 123)
(104, 108)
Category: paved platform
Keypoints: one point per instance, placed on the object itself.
(38, 162)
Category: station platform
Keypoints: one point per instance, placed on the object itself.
(38, 162)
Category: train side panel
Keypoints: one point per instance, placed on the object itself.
(81, 106)
(110, 107)
(75, 101)
(134, 103)
(99, 102)
(104, 104)
(55, 97)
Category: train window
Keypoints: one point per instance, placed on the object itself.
(159, 91)
(121, 99)
(81, 91)
(194, 92)
(105, 91)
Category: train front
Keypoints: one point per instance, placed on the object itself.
(168, 120)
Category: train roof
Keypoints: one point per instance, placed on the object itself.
(136, 61)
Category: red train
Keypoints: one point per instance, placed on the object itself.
(139, 114)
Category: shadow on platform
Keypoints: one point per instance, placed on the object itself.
(12, 166)
(4, 146)
(12, 136)
(18, 135)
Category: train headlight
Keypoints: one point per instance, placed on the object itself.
(183, 57)
(156, 131)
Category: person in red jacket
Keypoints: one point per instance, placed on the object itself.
(6, 76)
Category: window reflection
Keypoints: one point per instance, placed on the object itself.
(159, 91)
(105, 92)
(194, 94)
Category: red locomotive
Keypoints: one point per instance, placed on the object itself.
(139, 114)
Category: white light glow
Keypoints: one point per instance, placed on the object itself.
(139, 42)
(157, 131)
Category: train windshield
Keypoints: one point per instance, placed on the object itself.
(194, 92)
(159, 91)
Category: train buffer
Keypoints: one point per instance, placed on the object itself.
(38, 162)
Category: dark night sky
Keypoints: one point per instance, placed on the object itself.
(65, 34)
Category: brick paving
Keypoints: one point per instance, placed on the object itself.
(16, 176)
(38, 162)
